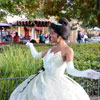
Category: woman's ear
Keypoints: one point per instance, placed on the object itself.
(59, 38)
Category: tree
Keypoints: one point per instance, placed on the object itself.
(30, 8)
(87, 11)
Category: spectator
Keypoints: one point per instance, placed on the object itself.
(85, 38)
(9, 37)
(16, 38)
(4, 37)
(79, 37)
(46, 36)
(47, 41)
(82, 37)
(41, 37)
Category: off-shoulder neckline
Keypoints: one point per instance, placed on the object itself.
(58, 52)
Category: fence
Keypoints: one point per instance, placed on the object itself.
(91, 86)
(7, 86)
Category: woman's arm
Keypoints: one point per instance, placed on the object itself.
(44, 53)
(35, 54)
(72, 71)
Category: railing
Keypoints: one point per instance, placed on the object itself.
(91, 86)
(7, 88)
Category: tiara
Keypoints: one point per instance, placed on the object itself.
(58, 24)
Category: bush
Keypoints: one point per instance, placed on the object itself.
(90, 35)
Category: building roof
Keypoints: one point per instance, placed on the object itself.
(4, 24)
(37, 22)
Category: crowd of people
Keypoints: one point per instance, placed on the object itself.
(43, 38)
(15, 38)
(81, 38)
(11, 37)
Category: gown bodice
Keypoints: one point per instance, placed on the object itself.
(54, 64)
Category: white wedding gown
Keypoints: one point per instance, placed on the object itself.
(50, 84)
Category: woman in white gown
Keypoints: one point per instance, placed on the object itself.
(51, 83)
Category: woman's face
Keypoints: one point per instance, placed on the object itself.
(53, 36)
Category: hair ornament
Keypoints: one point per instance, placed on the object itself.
(58, 24)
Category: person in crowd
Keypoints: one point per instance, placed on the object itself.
(9, 37)
(4, 37)
(47, 41)
(16, 38)
(85, 38)
(82, 37)
(51, 83)
(46, 36)
(41, 38)
(79, 37)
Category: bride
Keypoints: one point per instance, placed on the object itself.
(51, 83)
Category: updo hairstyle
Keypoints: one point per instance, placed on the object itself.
(62, 28)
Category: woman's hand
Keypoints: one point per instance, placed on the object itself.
(28, 44)
(92, 74)
(35, 54)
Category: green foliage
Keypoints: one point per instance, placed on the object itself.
(87, 56)
(17, 61)
(87, 11)
(19, 7)
(90, 35)
(2, 15)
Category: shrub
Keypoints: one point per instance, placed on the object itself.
(90, 35)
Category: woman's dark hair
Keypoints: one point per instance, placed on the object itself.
(62, 28)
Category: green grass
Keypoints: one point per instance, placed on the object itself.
(17, 61)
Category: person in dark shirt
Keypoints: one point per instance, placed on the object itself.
(9, 37)
(79, 37)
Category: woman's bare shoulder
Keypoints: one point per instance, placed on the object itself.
(69, 50)
(69, 54)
